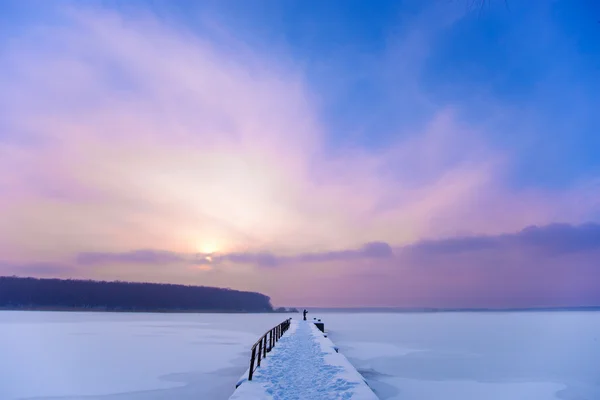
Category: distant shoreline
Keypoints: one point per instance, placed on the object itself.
(49, 294)
(158, 311)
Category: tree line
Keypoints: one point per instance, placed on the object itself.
(36, 293)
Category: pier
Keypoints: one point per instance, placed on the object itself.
(302, 364)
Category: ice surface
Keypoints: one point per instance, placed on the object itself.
(112, 356)
(126, 355)
(467, 356)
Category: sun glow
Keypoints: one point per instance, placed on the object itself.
(208, 247)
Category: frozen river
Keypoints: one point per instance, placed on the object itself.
(466, 356)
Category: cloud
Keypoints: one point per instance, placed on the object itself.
(34, 268)
(544, 241)
(552, 239)
(376, 250)
(549, 240)
(562, 238)
(131, 257)
(260, 259)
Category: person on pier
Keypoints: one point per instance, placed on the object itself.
(305, 312)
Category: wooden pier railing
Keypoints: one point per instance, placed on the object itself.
(265, 344)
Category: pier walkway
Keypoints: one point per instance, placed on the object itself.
(304, 365)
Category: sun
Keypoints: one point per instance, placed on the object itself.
(208, 248)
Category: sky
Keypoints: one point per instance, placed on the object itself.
(336, 154)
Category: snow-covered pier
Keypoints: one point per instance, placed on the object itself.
(304, 365)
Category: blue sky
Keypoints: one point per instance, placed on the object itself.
(531, 70)
(528, 71)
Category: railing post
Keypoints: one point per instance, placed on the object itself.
(252, 363)
(270, 340)
(259, 352)
(265, 345)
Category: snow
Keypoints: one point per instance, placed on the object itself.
(304, 366)
(437, 356)
(125, 355)
(473, 356)
(265, 361)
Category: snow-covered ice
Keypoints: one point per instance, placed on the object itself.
(115, 356)
(304, 366)
(473, 356)
(438, 356)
